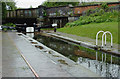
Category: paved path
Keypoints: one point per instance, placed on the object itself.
(41, 63)
(13, 64)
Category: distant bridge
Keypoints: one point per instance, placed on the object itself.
(23, 27)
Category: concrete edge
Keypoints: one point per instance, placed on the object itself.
(86, 44)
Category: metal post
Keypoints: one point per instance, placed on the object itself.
(111, 59)
(34, 26)
(25, 26)
(105, 57)
(96, 56)
(102, 57)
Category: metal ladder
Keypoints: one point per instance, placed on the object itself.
(104, 34)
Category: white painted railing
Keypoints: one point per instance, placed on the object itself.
(104, 34)
(103, 38)
(97, 37)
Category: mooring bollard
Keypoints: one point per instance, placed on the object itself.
(55, 27)
(25, 27)
(34, 24)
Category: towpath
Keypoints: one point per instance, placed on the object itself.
(40, 63)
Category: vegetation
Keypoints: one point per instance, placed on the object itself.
(96, 18)
(54, 4)
(89, 3)
(31, 6)
(9, 24)
(90, 30)
(94, 21)
(47, 29)
(98, 15)
(8, 6)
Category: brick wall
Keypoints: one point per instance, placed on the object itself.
(79, 9)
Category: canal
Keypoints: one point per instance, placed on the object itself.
(104, 64)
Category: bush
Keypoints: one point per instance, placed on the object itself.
(104, 6)
(109, 20)
(97, 17)
(9, 24)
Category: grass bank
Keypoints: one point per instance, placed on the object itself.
(90, 30)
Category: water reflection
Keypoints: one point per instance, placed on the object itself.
(30, 34)
(103, 68)
(101, 63)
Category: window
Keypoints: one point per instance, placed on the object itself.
(18, 13)
(26, 13)
(11, 13)
(14, 13)
(30, 13)
(8, 14)
(37, 12)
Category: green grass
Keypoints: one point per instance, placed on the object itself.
(47, 29)
(90, 30)
(108, 1)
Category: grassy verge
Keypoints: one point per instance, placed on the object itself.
(90, 30)
(47, 29)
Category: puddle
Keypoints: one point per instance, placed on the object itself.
(56, 56)
(31, 40)
(63, 62)
(19, 34)
(44, 51)
(50, 52)
(34, 42)
(40, 47)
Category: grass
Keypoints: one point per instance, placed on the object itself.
(90, 30)
(47, 29)
(108, 1)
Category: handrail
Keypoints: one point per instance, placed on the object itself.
(111, 38)
(97, 37)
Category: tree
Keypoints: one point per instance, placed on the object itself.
(54, 4)
(7, 6)
(31, 6)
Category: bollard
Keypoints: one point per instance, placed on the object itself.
(34, 24)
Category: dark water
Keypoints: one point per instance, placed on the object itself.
(104, 64)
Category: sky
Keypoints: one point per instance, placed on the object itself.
(28, 3)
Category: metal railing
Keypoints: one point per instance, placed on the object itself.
(104, 34)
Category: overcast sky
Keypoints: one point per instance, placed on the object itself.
(28, 3)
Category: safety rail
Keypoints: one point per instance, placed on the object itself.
(97, 37)
(104, 34)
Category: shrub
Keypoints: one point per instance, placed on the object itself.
(97, 17)
(104, 6)
(109, 20)
(83, 22)
(10, 24)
